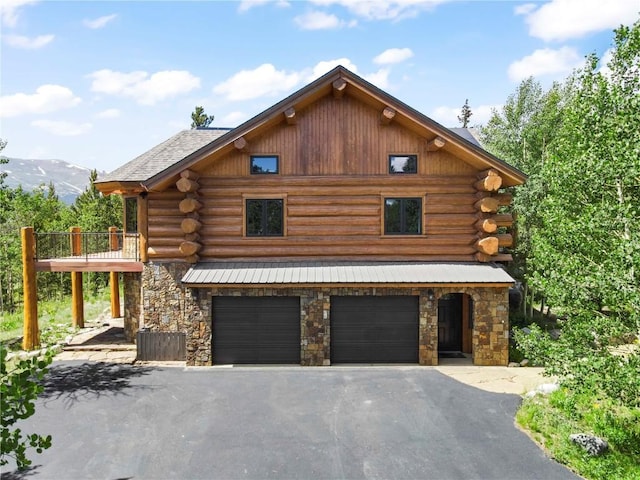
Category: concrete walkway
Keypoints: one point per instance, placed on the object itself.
(105, 342)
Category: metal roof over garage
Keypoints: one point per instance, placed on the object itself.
(286, 273)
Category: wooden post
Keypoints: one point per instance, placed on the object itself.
(115, 294)
(143, 227)
(113, 239)
(113, 276)
(30, 333)
(77, 301)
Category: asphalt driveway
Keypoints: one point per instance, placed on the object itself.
(112, 421)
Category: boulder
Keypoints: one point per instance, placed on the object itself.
(594, 446)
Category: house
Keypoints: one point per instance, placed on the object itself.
(338, 226)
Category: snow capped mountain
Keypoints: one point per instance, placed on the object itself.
(69, 180)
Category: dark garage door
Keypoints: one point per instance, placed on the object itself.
(256, 330)
(374, 329)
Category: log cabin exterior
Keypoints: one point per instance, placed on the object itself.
(338, 226)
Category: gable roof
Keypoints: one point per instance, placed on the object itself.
(162, 156)
(160, 166)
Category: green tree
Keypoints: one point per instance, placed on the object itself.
(94, 212)
(587, 252)
(3, 161)
(522, 133)
(200, 119)
(19, 387)
(465, 114)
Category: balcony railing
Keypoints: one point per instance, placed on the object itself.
(87, 245)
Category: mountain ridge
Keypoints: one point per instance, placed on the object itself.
(69, 180)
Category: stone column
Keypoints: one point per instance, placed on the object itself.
(315, 311)
(491, 326)
(428, 347)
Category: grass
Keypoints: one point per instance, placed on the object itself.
(550, 420)
(54, 319)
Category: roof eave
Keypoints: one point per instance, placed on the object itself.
(120, 188)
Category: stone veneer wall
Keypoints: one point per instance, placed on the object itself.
(170, 307)
(132, 303)
(490, 337)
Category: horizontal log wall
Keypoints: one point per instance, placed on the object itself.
(342, 219)
(333, 177)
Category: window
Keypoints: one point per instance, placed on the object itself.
(403, 216)
(131, 214)
(264, 164)
(403, 164)
(264, 218)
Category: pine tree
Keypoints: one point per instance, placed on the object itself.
(199, 119)
(465, 114)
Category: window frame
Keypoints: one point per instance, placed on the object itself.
(403, 231)
(391, 156)
(263, 198)
(257, 157)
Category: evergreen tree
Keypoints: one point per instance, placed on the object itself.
(94, 212)
(465, 114)
(200, 119)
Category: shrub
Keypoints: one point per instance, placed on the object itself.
(18, 391)
(584, 357)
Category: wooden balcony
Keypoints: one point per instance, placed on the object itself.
(77, 251)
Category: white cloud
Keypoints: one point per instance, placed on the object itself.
(20, 41)
(246, 5)
(264, 80)
(61, 128)
(393, 55)
(380, 78)
(233, 119)
(383, 10)
(448, 116)
(48, 98)
(323, 67)
(604, 63)
(318, 21)
(144, 88)
(524, 9)
(564, 19)
(9, 11)
(109, 113)
(545, 61)
(98, 22)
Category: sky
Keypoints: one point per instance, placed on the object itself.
(97, 83)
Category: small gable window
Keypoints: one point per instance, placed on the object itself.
(264, 164)
(403, 216)
(403, 164)
(264, 217)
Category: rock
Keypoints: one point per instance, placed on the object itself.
(547, 388)
(514, 364)
(594, 446)
(526, 330)
(544, 389)
(524, 363)
(555, 333)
